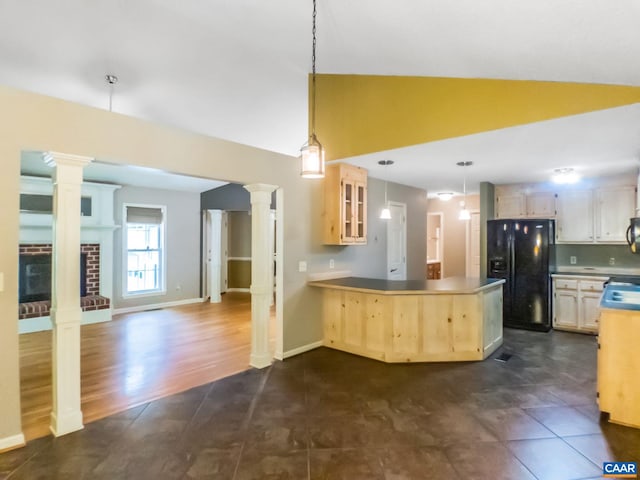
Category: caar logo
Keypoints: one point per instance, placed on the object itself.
(620, 470)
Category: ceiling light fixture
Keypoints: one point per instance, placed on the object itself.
(565, 176)
(464, 212)
(312, 153)
(445, 196)
(385, 213)
(111, 80)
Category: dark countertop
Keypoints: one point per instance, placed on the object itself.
(449, 285)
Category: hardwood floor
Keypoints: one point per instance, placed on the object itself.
(139, 357)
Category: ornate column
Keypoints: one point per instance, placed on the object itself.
(66, 416)
(261, 273)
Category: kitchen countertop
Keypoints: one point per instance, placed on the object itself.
(597, 271)
(450, 285)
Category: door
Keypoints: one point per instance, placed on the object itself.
(531, 274)
(213, 235)
(473, 246)
(397, 242)
(499, 258)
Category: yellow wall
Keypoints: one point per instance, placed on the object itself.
(358, 114)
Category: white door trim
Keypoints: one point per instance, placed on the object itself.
(399, 268)
(469, 254)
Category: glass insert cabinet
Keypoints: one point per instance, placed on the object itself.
(345, 205)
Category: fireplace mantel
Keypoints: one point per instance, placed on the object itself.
(97, 227)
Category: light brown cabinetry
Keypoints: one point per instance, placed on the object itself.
(345, 205)
(405, 327)
(576, 303)
(521, 205)
(434, 271)
(618, 366)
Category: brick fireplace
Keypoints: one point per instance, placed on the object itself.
(97, 229)
(33, 305)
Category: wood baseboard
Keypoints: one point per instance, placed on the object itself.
(302, 349)
(155, 306)
(12, 442)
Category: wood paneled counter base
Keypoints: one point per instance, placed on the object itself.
(455, 319)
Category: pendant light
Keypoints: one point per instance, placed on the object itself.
(385, 213)
(111, 80)
(464, 212)
(312, 153)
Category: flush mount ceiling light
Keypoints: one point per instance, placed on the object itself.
(445, 196)
(312, 153)
(385, 213)
(565, 176)
(111, 81)
(464, 212)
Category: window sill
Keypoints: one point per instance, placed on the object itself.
(144, 293)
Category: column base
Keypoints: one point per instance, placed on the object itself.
(260, 361)
(67, 423)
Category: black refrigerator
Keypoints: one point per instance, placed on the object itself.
(523, 253)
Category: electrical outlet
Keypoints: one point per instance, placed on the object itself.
(612, 261)
(332, 264)
(573, 260)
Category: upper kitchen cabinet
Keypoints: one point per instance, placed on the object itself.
(614, 208)
(574, 216)
(345, 205)
(594, 216)
(511, 204)
(541, 205)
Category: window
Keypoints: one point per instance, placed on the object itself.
(144, 249)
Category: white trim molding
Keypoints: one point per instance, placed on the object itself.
(155, 306)
(14, 441)
(304, 348)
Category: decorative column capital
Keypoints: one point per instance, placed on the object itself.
(55, 159)
(67, 168)
(260, 192)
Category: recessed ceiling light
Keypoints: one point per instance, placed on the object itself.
(565, 176)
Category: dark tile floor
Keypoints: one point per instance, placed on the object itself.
(331, 415)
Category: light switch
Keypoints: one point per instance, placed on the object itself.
(302, 266)
(1, 282)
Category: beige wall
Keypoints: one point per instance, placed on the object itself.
(34, 122)
(453, 233)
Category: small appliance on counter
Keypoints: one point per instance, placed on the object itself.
(633, 234)
(522, 252)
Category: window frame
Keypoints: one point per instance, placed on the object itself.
(162, 289)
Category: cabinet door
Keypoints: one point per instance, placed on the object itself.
(360, 212)
(589, 311)
(614, 208)
(565, 309)
(574, 219)
(510, 206)
(347, 196)
(541, 205)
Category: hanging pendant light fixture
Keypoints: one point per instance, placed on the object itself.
(464, 212)
(111, 80)
(385, 213)
(312, 153)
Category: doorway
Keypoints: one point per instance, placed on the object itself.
(397, 242)
(473, 246)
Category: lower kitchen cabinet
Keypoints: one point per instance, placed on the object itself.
(576, 303)
(618, 366)
(434, 271)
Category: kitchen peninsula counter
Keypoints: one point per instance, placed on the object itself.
(454, 319)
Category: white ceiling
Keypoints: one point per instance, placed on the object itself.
(237, 69)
